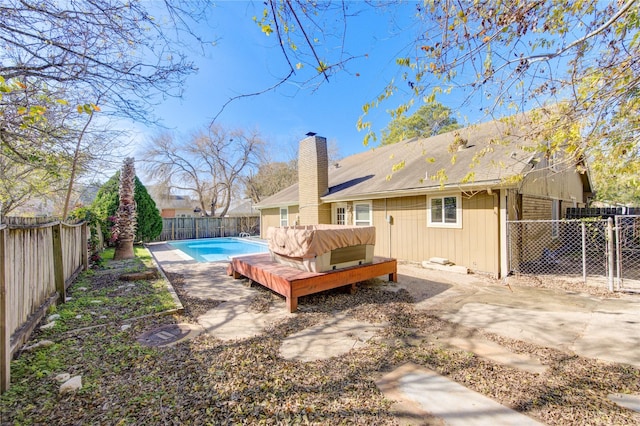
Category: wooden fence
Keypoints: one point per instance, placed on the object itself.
(186, 228)
(39, 259)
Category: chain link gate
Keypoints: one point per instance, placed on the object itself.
(569, 250)
(628, 253)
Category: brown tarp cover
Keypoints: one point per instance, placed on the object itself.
(308, 241)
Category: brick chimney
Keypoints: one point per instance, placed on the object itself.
(313, 180)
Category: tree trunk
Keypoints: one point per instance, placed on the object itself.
(74, 167)
(126, 214)
(124, 249)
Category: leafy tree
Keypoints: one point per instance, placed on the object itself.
(106, 203)
(270, 178)
(114, 49)
(96, 240)
(618, 182)
(46, 147)
(148, 216)
(28, 170)
(210, 164)
(58, 60)
(428, 120)
(583, 58)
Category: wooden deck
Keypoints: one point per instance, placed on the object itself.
(293, 283)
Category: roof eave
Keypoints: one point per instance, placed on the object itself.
(458, 187)
(274, 205)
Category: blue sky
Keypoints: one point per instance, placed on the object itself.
(245, 60)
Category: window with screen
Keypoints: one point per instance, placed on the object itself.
(444, 211)
(362, 214)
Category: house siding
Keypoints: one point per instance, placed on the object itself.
(168, 213)
(566, 185)
(294, 215)
(171, 213)
(271, 217)
(268, 218)
(475, 245)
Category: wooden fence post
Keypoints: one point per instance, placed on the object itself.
(58, 267)
(85, 246)
(5, 344)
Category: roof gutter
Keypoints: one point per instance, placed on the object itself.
(471, 186)
(474, 186)
(273, 206)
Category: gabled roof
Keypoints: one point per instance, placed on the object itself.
(175, 202)
(494, 151)
(243, 208)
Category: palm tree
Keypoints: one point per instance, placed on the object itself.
(125, 228)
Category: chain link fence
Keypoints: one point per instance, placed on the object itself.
(628, 253)
(598, 252)
(574, 250)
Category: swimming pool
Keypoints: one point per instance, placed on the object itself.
(217, 249)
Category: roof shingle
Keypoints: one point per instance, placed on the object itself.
(494, 151)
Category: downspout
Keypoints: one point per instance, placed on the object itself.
(503, 236)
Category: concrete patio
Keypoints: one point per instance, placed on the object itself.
(607, 329)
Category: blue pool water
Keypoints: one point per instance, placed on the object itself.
(217, 249)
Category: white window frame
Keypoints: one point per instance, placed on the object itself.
(286, 220)
(442, 224)
(553, 160)
(334, 212)
(357, 222)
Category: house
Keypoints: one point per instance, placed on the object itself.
(243, 208)
(171, 206)
(451, 197)
(247, 217)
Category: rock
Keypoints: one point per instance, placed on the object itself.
(40, 344)
(78, 316)
(125, 327)
(48, 325)
(68, 299)
(71, 385)
(148, 274)
(62, 377)
(449, 268)
(81, 289)
(53, 317)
